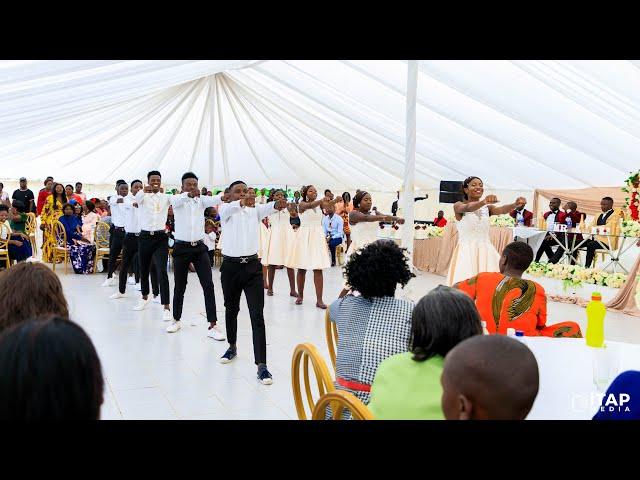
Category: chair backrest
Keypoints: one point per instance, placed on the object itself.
(30, 224)
(331, 332)
(5, 236)
(339, 400)
(102, 235)
(302, 355)
(60, 235)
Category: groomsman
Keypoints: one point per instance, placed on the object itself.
(553, 216)
(189, 248)
(116, 240)
(241, 271)
(153, 244)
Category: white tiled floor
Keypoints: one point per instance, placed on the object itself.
(151, 374)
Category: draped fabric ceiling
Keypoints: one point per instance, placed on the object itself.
(520, 125)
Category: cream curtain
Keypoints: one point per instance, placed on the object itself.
(588, 199)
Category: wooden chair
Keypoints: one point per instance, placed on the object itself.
(331, 332)
(339, 401)
(102, 243)
(60, 249)
(30, 230)
(5, 236)
(302, 354)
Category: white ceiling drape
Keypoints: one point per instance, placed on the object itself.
(517, 124)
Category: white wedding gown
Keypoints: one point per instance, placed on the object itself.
(474, 253)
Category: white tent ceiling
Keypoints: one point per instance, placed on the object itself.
(517, 124)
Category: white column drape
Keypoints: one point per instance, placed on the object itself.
(407, 192)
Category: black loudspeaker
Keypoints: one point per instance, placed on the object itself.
(451, 191)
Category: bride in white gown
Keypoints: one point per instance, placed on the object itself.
(474, 253)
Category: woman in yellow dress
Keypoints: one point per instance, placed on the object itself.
(51, 212)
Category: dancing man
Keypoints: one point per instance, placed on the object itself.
(153, 244)
(116, 202)
(189, 248)
(241, 271)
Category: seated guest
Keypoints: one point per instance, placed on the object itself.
(407, 385)
(18, 217)
(89, 221)
(625, 389)
(440, 221)
(489, 378)
(333, 227)
(572, 218)
(49, 370)
(375, 324)
(506, 300)
(36, 292)
(521, 214)
(609, 219)
(72, 225)
(553, 216)
(19, 246)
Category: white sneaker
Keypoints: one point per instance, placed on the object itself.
(157, 299)
(117, 295)
(167, 316)
(216, 333)
(174, 327)
(131, 281)
(138, 287)
(142, 304)
(107, 283)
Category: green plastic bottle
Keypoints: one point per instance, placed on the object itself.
(595, 321)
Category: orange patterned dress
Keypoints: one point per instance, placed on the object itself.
(508, 302)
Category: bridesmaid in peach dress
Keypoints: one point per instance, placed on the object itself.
(474, 252)
(310, 250)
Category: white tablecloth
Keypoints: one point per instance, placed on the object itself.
(532, 236)
(567, 390)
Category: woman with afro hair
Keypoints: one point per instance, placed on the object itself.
(372, 323)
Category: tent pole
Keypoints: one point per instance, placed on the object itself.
(212, 114)
(407, 193)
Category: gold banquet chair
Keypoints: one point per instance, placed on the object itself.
(5, 236)
(30, 230)
(339, 401)
(331, 332)
(304, 354)
(102, 243)
(60, 248)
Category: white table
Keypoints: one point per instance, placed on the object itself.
(531, 235)
(567, 390)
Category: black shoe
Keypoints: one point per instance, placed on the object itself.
(264, 376)
(229, 355)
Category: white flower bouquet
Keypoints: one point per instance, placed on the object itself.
(502, 221)
(630, 228)
(575, 275)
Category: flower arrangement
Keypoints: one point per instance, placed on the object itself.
(423, 232)
(630, 228)
(631, 187)
(575, 275)
(502, 221)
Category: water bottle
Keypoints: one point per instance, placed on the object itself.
(596, 312)
(569, 222)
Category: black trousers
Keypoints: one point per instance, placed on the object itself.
(130, 258)
(245, 277)
(154, 248)
(183, 255)
(560, 252)
(592, 246)
(333, 243)
(546, 247)
(211, 257)
(115, 247)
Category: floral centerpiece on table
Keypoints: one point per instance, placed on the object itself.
(502, 221)
(630, 228)
(575, 275)
(632, 187)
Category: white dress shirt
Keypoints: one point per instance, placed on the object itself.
(189, 215)
(131, 215)
(154, 208)
(551, 220)
(241, 226)
(117, 210)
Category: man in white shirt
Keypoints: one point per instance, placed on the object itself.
(153, 242)
(189, 248)
(116, 203)
(241, 271)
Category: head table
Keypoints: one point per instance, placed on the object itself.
(566, 365)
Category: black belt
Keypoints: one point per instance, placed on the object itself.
(193, 244)
(155, 232)
(133, 234)
(240, 259)
(118, 229)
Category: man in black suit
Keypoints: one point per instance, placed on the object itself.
(606, 205)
